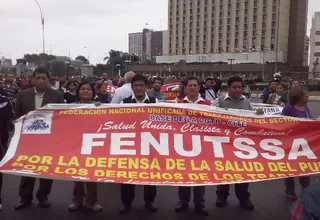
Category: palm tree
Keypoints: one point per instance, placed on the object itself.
(106, 58)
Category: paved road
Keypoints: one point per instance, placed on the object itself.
(267, 196)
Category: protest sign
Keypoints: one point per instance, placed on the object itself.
(171, 90)
(268, 109)
(161, 144)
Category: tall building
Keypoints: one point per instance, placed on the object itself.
(212, 26)
(148, 44)
(135, 44)
(315, 47)
(159, 43)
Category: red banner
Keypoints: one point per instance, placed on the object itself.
(161, 144)
(171, 90)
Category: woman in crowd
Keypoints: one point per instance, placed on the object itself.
(274, 97)
(103, 95)
(70, 95)
(85, 193)
(297, 107)
(182, 93)
(284, 99)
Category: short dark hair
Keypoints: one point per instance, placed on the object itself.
(159, 79)
(274, 81)
(41, 70)
(99, 85)
(282, 84)
(139, 77)
(296, 94)
(233, 79)
(185, 82)
(92, 88)
(209, 79)
(70, 83)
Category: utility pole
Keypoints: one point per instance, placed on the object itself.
(277, 37)
(42, 23)
(231, 63)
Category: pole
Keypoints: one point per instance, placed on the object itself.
(277, 38)
(263, 52)
(42, 23)
(231, 62)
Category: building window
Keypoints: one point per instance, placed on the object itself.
(317, 43)
(272, 47)
(317, 32)
(317, 54)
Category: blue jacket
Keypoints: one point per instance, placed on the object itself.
(307, 207)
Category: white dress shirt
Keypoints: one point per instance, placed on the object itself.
(121, 93)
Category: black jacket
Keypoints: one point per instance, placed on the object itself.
(6, 114)
(130, 100)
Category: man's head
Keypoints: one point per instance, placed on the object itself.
(295, 83)
(191, 86)
(41, 78)
(273, 85)
(58, 77)
(105, 76)
(157, 83)
(10, 78)
(209, 83)
(128, 76)
(235, 87)
(139, 85)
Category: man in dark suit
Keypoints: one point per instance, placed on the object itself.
(29, 100)
(139, 88)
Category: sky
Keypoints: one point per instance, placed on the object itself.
(82, 27)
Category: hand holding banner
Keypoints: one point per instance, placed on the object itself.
(161, 144)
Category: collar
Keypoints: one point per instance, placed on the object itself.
(146, 98)
(228, 97)
(200, 99)
(35, 92)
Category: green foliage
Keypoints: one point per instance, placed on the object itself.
(114, 61)
(38, 59)
(82, 59)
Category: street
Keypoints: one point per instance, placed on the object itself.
(268, 197)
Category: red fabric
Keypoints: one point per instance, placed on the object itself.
(205, 102)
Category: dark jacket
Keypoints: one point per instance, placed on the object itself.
(307, 207)
(103, 98)
(6, 114)
(26, 100)
(130, 100)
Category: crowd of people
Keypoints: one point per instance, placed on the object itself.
(20, 96)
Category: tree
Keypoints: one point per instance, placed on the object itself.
(82, 59)
(21, 61)
(58, 67)
(39, 59)
(130, 58)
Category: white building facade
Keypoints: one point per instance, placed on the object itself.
(314, 70)
(135, 44)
